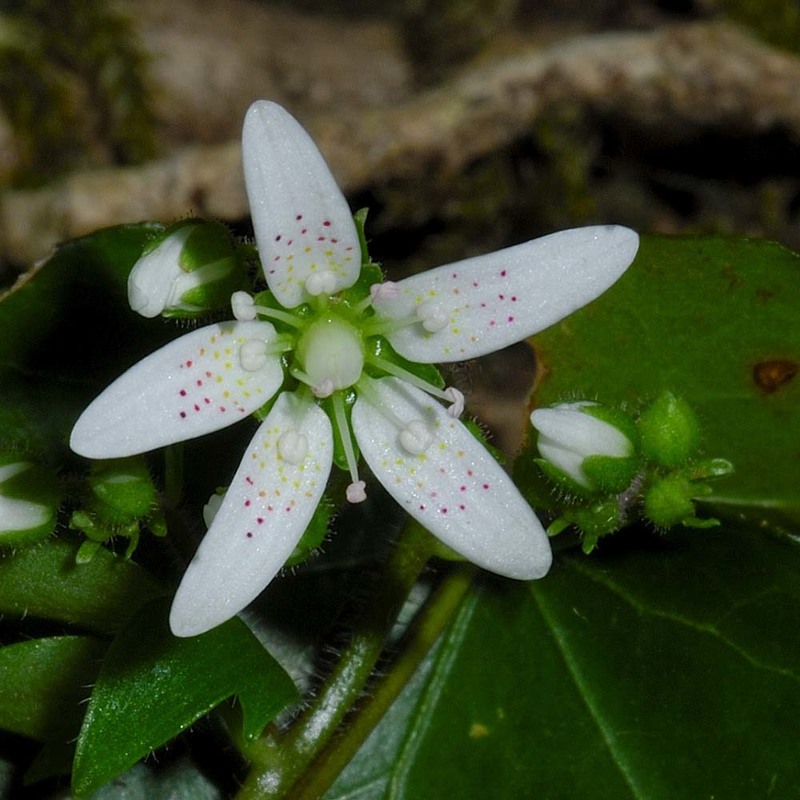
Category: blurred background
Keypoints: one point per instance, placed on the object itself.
(465, 126)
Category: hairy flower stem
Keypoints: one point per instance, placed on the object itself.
(417, 643)
(277, 763)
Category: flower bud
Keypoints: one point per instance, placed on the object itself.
(29, 500)
(669, 431)
(191, 268)
(586, 447)
(669, 501)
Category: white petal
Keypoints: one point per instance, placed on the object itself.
(151, 283)
(192, 386)
(455, 488)
(301, 219)
(22, 515)
(580, 433)
(265, 512)
(494, 300)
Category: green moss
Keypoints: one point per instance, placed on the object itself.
(73, 85)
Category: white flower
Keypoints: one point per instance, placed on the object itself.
(331, 330)
(569, 434)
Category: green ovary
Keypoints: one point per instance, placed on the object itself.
(331, 350)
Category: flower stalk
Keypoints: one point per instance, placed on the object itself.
(279, 762)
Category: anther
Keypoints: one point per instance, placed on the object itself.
(433, 319)
(323, 282)
(293, 446)
(456, 398)
(323, 389)
(253, 355)
(356, 492)
(415, 437)
(243, 306)
(384, 291)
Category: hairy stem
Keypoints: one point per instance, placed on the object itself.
(277, 763)
(416, 644)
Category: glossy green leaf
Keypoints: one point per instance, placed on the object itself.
(153, 685)
(44, 581)
(45, 683)
(716, 322)
(666, 670)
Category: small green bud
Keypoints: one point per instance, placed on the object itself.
(594, 521)
(669, 431)
(121, 498)
(123, 490)
(191, 268)
(29, 499)
(669, 501)
(586, 447)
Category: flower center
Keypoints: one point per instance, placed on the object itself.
(331, 353)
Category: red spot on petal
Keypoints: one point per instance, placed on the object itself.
(260, 520)
(249, 534)
(188, 363)
(208, 374)
(270, 508)
(207, 400)
(485, 485)
(278, 238)
(326, 223)
(513, 298)
(288, 508)
(462, 489)
(444, 510)
(304, 230)
(511, 319)
(454, 275)
(502, 296)
(198, 382)
(335, 241)
(503, 274)
(299, 217)
(247, 503)
(462, 507)
(470, 473)
(291, 241)
(249, 480)
(182, 392)
(320, 238)
(421, 507)
(492, 322)
(183, 415)
(196, 407)
(222, 409)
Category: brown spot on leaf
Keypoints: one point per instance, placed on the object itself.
(769, 376)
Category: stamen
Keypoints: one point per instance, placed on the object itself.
(293, 446)
(450, 394)
(243, 306)
(323, 282)
(324, 388)
(253, 355)
(416, 438)
(378, 291)
(245, 309)
(457, 399)
(355, 491)
(431, 316)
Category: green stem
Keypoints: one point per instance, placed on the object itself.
(278, 763)
(417, 643)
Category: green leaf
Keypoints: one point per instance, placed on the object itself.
(56, 324)
(715, 321)
(668, 671)
(153, 685)
(44, 581)
(45, 682)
